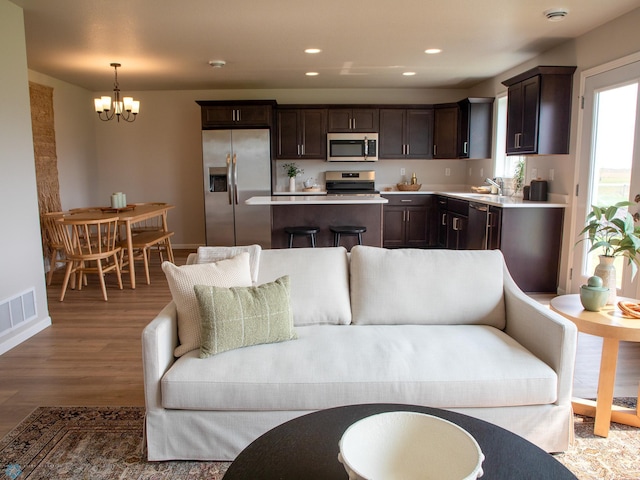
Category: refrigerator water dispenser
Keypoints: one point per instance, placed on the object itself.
(217, 179)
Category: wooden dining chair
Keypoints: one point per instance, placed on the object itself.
(53, 241)
(152, 224)
(144, 241)
(91, 247)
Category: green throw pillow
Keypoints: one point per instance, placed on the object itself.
(242, 316)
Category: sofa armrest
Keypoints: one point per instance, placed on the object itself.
(546, 334)
(159, 340)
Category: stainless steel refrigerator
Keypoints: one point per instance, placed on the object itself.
(237, 166)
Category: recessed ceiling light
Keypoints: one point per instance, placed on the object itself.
(408, 74)
(312, 74)
(432, 51)
(312, 50)
(556, 14)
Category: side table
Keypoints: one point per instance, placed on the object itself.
(610, 324)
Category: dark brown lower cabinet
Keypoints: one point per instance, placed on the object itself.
(530, 240)
(457, 224)
(406, 221)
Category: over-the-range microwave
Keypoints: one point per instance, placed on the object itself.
(352, 147)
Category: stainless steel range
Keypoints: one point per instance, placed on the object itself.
(351, 183)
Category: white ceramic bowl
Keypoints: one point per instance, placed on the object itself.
(408, 446)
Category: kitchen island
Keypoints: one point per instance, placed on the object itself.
(324, 211)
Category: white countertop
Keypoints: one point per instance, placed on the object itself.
(321, 198)
(505, 201)
(316, 200)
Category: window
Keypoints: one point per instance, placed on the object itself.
(505, 166)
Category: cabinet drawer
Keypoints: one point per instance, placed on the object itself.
(458, 206)
(409, 200)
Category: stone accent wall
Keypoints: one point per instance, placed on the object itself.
(44, 147)
(44, 150)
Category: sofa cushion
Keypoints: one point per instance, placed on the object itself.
(215, 254)
(243, 316)
(233, 272)
(410, 286)
(441, 366)
(319, 282)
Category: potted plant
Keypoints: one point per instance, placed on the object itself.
(611, 229)
(292, 171)
(518, 176)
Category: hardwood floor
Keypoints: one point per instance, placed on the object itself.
(92, 355)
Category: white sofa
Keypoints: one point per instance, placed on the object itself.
(446, 329)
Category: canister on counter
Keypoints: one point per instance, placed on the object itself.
(526, 192)
(538, 191)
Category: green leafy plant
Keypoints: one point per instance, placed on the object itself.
(292, 170)
(518, 176)
(612, 229)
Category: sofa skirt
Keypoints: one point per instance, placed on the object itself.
(222, 435)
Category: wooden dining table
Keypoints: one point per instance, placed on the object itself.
(127, 217)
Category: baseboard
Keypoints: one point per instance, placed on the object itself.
(17, 337)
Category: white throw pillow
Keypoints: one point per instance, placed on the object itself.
(215, 254)
(234, 272)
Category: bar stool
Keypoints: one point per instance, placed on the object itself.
(347, 230)
(302, 230)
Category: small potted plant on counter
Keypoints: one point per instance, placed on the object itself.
(611, 230)
(292, 172)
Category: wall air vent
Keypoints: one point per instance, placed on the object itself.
(16, 310)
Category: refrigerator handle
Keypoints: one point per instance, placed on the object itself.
(235, 179)
(229, 177)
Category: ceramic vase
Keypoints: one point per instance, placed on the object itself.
(292, 184)
(607, 272)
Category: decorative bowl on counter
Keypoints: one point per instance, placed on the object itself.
(482, 189)
(407, 187)
(408, 446)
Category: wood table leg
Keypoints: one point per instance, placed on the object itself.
(606, 382)
(132, 270)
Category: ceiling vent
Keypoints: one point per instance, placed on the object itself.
(556, 14)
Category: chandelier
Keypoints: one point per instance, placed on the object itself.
(108, 108)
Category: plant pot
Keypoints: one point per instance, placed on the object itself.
(607, 272)
(292, 184)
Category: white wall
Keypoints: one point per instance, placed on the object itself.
(21, 266)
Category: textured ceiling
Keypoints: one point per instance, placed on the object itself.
(166, 45)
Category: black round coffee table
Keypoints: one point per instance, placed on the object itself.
(307, 448)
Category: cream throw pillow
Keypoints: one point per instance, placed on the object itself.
(243, 316)
(215, 254)
(234, 272)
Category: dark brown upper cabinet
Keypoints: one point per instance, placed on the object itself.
(406, 133)
(301, 133)
(463, 129)
(539, 111)
(446, 126)
(236, 114)
(365, 120)
(476, 127)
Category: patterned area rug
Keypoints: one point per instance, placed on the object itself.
(106, 443)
